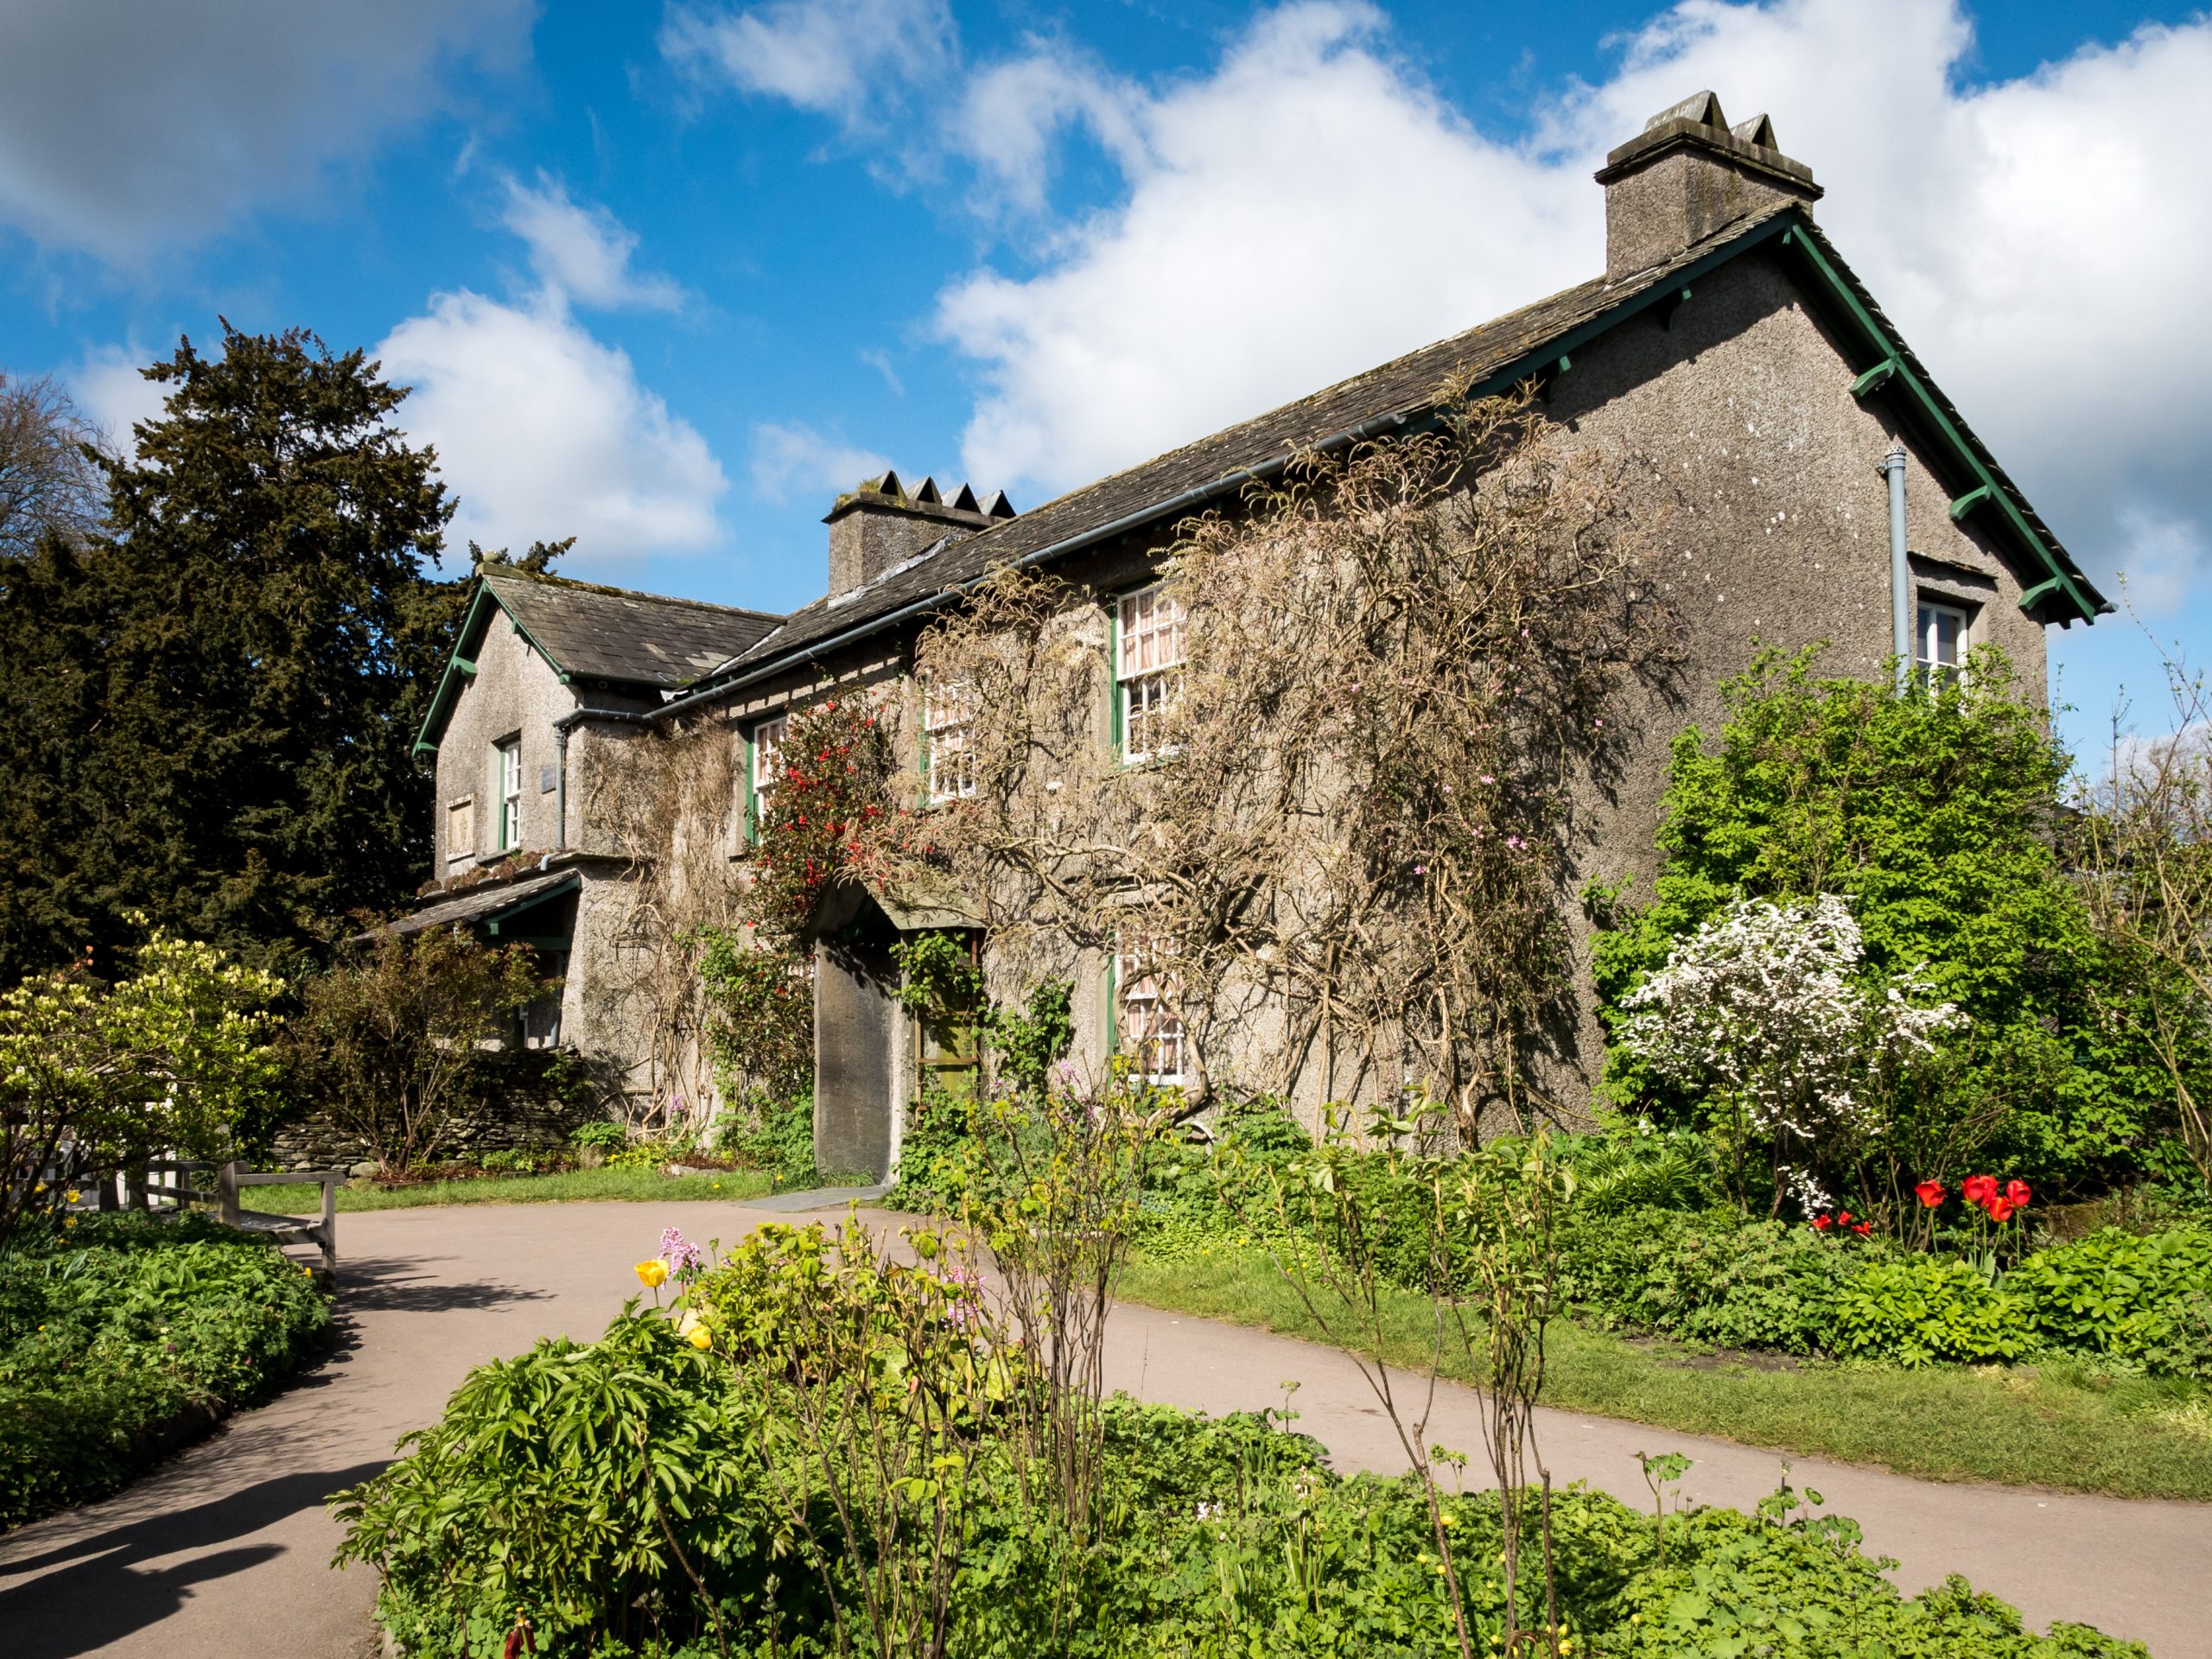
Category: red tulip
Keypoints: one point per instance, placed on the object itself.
(2001, 1209)
(1930, 1193)
(1978, 1189)
(1822, 1223)
(2017, 1194)
(1862, 1228)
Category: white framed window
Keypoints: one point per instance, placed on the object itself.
(461, 828)
(1940, 640)
(509, 795)
(767, 763)
(1146, 1024)
(1147, 668)
(948, 748)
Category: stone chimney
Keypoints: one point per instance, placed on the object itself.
(881, 525)
(1688, 175)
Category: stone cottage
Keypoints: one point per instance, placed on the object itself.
(1821, 488)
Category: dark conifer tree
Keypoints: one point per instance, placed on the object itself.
(227, 676)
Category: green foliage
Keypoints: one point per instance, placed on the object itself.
(1707, 1276)
(167, 1059)
(602, 1136)
(1932, 815)
(1222, 1537)
(835, 787)
(211, 702)
(774, 1135)
(2144, 1301)
(1926, 1308)
(759, 997)
(120, 1333)
(1026, 1045)
(389, 1040)
(582, 1482)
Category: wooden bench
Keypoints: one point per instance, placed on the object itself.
(223, 1197)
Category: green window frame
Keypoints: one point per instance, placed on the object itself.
(510, 762)
(764, 743)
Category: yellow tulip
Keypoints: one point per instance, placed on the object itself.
(652, 1274)
(700, 1339)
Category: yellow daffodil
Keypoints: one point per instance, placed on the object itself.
(69, 1221)
(74, 1195)
(652, 1274)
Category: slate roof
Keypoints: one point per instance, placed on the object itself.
(1494, 355)
(611, 633)
(481, 904)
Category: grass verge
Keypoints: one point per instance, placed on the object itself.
(2064, 1427)
(640, 1186)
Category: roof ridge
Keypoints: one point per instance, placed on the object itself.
(606, 590)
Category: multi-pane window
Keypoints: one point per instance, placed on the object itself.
(1941, 645)
(1148, 667)
(511, 794)
(767, 763)
(1146, 1021)
(461, 828)
(948, 749)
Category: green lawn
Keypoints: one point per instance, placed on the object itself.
(640, 1186)
(2062, 1427)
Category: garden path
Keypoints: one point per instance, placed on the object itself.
(223, 1553)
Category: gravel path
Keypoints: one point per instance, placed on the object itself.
(223, 1553)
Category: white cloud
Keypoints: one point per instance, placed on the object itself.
(1312, 207)
(125, 125)
(582, 253)
(851, 59)
(543, 432)
(1308, 211)
(108, 387)
(789, 460)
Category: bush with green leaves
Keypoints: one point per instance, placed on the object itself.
(120, 1333)
(1932, 816)
(2140, 1299)
(1925, 1309)
(630, 1498)
(1708, 1276)
(161, 1063)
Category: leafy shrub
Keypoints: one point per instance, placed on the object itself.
(1926, 1308)
(161, 1063)
(627, 1498)
(1675, 1169)
(600, 1137)
(574, 1481)
(1706, 1276)
(774, 1135)
(2143, 1300)
(115, 1335)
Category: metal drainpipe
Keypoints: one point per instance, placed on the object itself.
(1900, 570)
(560, 789)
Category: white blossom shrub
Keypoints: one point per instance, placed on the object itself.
(1765, 1007)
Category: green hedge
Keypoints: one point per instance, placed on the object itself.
(121, 1335)
(536, 1493)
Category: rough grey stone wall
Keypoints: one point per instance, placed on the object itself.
(521, 1123)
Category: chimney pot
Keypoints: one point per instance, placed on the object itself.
(880, 524)
(1689, 176)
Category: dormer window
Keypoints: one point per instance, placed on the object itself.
(510, 794)
(1148, 669)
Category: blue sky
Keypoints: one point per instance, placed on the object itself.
(666, 276)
